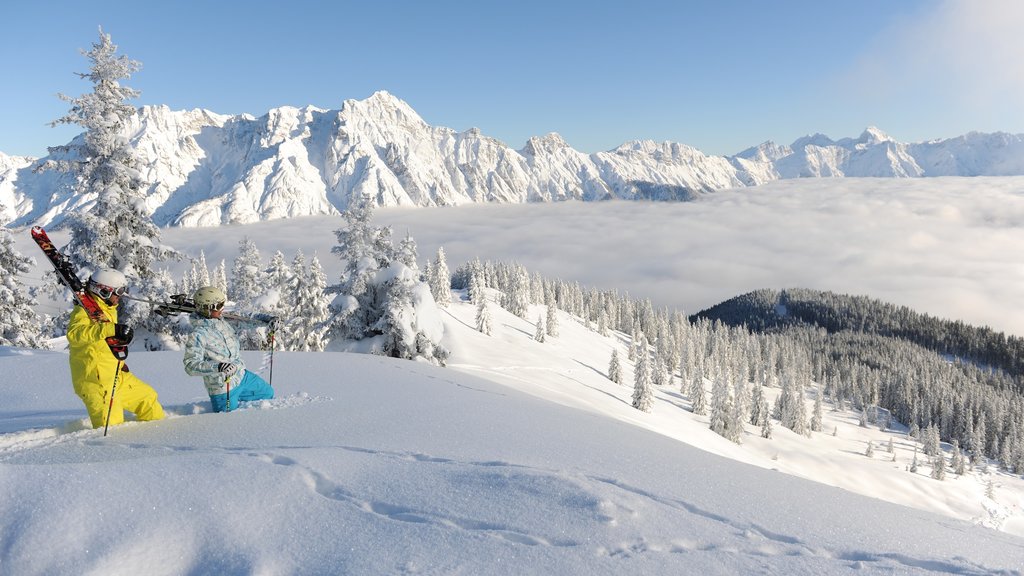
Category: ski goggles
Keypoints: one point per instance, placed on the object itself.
(106, 292)
(211, 307)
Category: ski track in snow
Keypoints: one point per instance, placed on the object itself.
(615, 502)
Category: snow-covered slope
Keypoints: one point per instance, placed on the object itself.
(520, 457)
(208, 169)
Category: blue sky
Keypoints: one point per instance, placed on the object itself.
(719, 75)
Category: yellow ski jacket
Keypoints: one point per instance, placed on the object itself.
(91, 360)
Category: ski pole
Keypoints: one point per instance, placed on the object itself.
(113, 389)
(227, 382)
(273, 329)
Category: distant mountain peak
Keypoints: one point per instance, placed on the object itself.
(873, 135)
(207, 169)
(551, 142)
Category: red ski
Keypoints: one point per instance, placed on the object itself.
(68, 277)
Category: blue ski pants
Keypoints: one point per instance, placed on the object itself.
(251, 388)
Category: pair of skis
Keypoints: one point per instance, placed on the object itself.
(67, 276)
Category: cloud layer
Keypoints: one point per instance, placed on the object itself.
(950, 247)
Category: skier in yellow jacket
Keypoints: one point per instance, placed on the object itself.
(94, 366)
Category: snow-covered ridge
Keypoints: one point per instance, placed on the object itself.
(208, 169)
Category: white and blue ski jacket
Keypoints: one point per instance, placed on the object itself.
(211, 342)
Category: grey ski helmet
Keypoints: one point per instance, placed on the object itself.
(107, 282)
(209, 298)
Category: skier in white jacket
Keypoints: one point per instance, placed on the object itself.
(212, 351)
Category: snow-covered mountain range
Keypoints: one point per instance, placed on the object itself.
(208, 169)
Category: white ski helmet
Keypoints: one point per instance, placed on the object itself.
(209, 298)
(106, 282)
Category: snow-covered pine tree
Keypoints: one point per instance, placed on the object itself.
(219, 278)
(381, 304)
(408, 252)
(19, 325)
(477, 283)
(643, 392)
(930, 440)
(615, 367)
(483, 315)
(279, 280)
(441, 280)
(958, 462)
(202, 270)
(766, 424)
(312, 301)
(816, 414)
(698, 397)
(552, 318)
(516, 297)
(756, 400)
(246, 276)
(539, 332)
(721, 406)
(278, 273)
(116, 231)
(939, 466)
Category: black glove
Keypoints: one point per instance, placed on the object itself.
(123, 333)
(266, 319)
(227, 369)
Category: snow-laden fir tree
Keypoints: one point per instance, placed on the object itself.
(539, 333)
(246, 276)
(19, 325)
(219, 278)
(303, 327)
(659, 375)
(202, 270)
(816, 414)
(766, 420)
(408, 252)
(643, 390)
(381, 305)
(870, 451)
(930, 440)
(516, 291)
(279, 279)
(116, 230)
(756, 401)
(958, 462)
(477, 282)
(483, 316)
(552, 318)
(698, 397)
(441, 280)
(615, 367)
(939, 466)
(738, 414)
(721, 407)
(278, 273)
